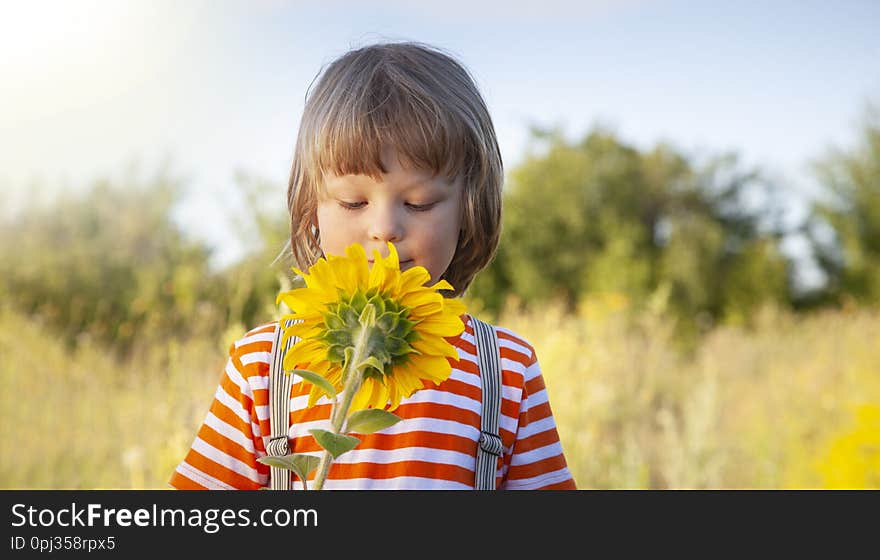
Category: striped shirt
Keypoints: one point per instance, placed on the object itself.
(433, 447)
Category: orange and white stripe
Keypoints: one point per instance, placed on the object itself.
(433, 447)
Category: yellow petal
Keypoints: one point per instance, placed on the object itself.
(392, 280)
(425, 310)
(377, 273)
(392, 260)
(314, 395)
(436, 346)
(441, 325)
(393, 397)
(371, 394)
(345, 277)
(362, 397)
(421, 297)
(454, 306)
(442, 285)
(303, 300)
(356, 252)
(412, 279)
(307, 329)
(433, 368)
(322, 276)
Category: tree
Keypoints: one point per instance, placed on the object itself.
(599, 215)
(844, 229)
(109, 263)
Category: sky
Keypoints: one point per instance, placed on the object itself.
(94, 88)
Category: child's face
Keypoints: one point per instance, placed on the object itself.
(421, 215)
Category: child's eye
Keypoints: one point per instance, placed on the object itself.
(413, 207)
(420, 207)
(352, 205)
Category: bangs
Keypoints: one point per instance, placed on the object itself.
(383, 109)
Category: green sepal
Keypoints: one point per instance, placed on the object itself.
(299, 463)
(316, 380)
(376, 347)
(333, 321)
(372, 361)
(338, 337)
(335, 444)
(348, 355)
(398, 346)
(388, 321)
(358, 301)
(367, 317)
(349, 315)
(404, 327)
(378, 302)
(336, 353)
(371, 420)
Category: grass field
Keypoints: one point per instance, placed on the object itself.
(792, 402)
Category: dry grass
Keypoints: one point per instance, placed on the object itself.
(84, 421)
(765, 407)
(771, 407)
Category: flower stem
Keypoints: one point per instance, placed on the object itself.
(339, 412)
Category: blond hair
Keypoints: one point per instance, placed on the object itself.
(425, 105)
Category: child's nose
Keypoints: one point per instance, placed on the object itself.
(385, 225)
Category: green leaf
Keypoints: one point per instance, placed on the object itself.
(299, 463)
(371, 420)
(335, 444)
(317, 381)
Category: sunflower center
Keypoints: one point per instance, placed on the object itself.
(390, 332)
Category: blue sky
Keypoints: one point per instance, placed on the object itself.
(218, 87)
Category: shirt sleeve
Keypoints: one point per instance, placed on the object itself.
(537, 461)
(224, 454)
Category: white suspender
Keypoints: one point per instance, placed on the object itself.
(490, 445)
(279, 408)
(490, 448)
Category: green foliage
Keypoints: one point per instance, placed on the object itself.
(108, 263)
(598, 216)
(251, 284)
(316, 380)
(581, 218)
(335, 444)
(111, 264)
(371, 420)
(850, 209)
(299, 463)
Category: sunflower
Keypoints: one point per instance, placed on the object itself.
(406, 326)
